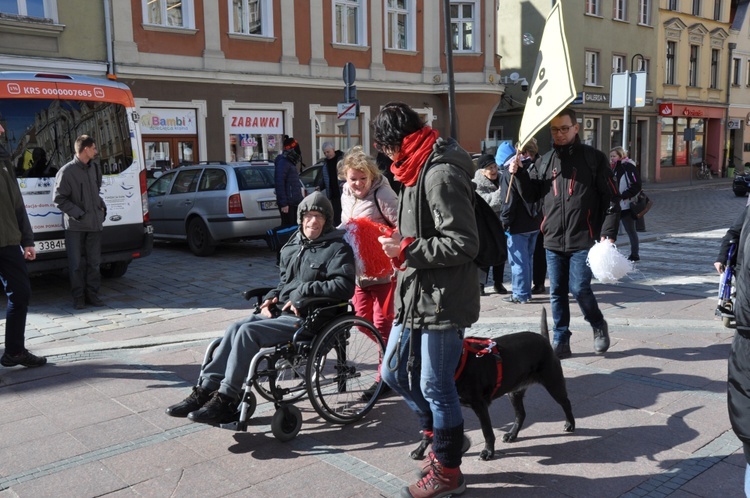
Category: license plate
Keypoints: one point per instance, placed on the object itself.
(268, 205)
(49, 245)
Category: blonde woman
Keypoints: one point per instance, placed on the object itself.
(369, 207)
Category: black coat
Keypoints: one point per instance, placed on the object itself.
(738, 382)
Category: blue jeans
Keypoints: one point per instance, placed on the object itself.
(568, 272)
(747, 480)
(432, 394)
(521, 257)
(15, 279)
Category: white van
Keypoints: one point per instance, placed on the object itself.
(43, 114)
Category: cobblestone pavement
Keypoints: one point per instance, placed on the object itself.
(651, 413)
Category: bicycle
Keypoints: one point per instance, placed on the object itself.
(704, 171)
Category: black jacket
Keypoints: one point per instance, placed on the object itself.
(517, 215)
(738, 382)
(626, 179)
(581, 200)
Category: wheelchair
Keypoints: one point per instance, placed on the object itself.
(333, 358)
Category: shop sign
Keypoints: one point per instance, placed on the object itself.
(666, 109)
(255, 122)
(168, 122)
(691, 111)
(597, 98)
(734, 123)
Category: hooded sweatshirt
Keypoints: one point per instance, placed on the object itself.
(323, 267)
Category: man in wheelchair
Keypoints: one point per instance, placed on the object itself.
(315, 262)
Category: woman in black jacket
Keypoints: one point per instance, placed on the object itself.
(627, 181)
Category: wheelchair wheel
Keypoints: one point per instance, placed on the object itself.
(286, 423)
(342, 365)
(278, 374)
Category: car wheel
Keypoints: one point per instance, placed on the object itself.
(199, 239)
(114, 270)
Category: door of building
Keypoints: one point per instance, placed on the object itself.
(167, 152)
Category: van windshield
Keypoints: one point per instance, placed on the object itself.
(40, 134)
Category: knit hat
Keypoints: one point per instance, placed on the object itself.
(504, 152)
(484, 161)
(317, 201)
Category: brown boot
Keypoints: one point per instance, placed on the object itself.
(439, 482)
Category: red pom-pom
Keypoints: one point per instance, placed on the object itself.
(362, 235)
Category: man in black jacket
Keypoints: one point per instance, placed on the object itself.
(581, 205)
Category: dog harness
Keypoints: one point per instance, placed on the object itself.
(480, 346)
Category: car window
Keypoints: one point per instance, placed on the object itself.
(254, 177)
(213, 179)
(160, 185)
(309, 176)
(186, 181)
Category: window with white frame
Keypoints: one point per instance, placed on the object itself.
(465, 26)
(669, 77)
(717, 10)
(714, 68)
(400, 25)
(696, 7)
(673, 5)
(620, 10)
(43, 9)
(592, 68)
(618, 64)
(644, 12)
(747, 79)
(693, 66)
(592, 7)
(170, 13)
(349, 21)
(251, 17)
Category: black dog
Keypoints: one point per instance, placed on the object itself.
(526, 358)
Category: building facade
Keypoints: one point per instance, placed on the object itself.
(692, 87)
(226, 79)
(738, 124)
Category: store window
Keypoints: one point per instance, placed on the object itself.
(328, 128)
(675, 150)
(254, 135)
(170, 138)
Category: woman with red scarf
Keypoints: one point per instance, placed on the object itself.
(436, 294)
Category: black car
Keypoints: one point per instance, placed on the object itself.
(741, 185)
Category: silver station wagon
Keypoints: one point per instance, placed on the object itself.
(213, 202)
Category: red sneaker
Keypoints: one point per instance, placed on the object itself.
(439, 482)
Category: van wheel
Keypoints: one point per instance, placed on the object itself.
(114, 270)
(199, 239)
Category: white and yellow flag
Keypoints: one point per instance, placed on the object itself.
(552, 86)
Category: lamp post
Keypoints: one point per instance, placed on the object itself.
(627, 102)
(449, 68)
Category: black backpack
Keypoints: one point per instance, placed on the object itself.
(493, 246)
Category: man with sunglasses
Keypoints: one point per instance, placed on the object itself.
(580, 207)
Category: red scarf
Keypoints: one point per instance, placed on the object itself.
(415, 149)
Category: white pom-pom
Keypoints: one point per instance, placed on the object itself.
(607, 264)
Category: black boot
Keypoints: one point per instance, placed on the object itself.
(197, 399)
(219, 409)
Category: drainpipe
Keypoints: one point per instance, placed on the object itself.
(108, 40)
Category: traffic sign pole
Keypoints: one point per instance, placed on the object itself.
(350, 74)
